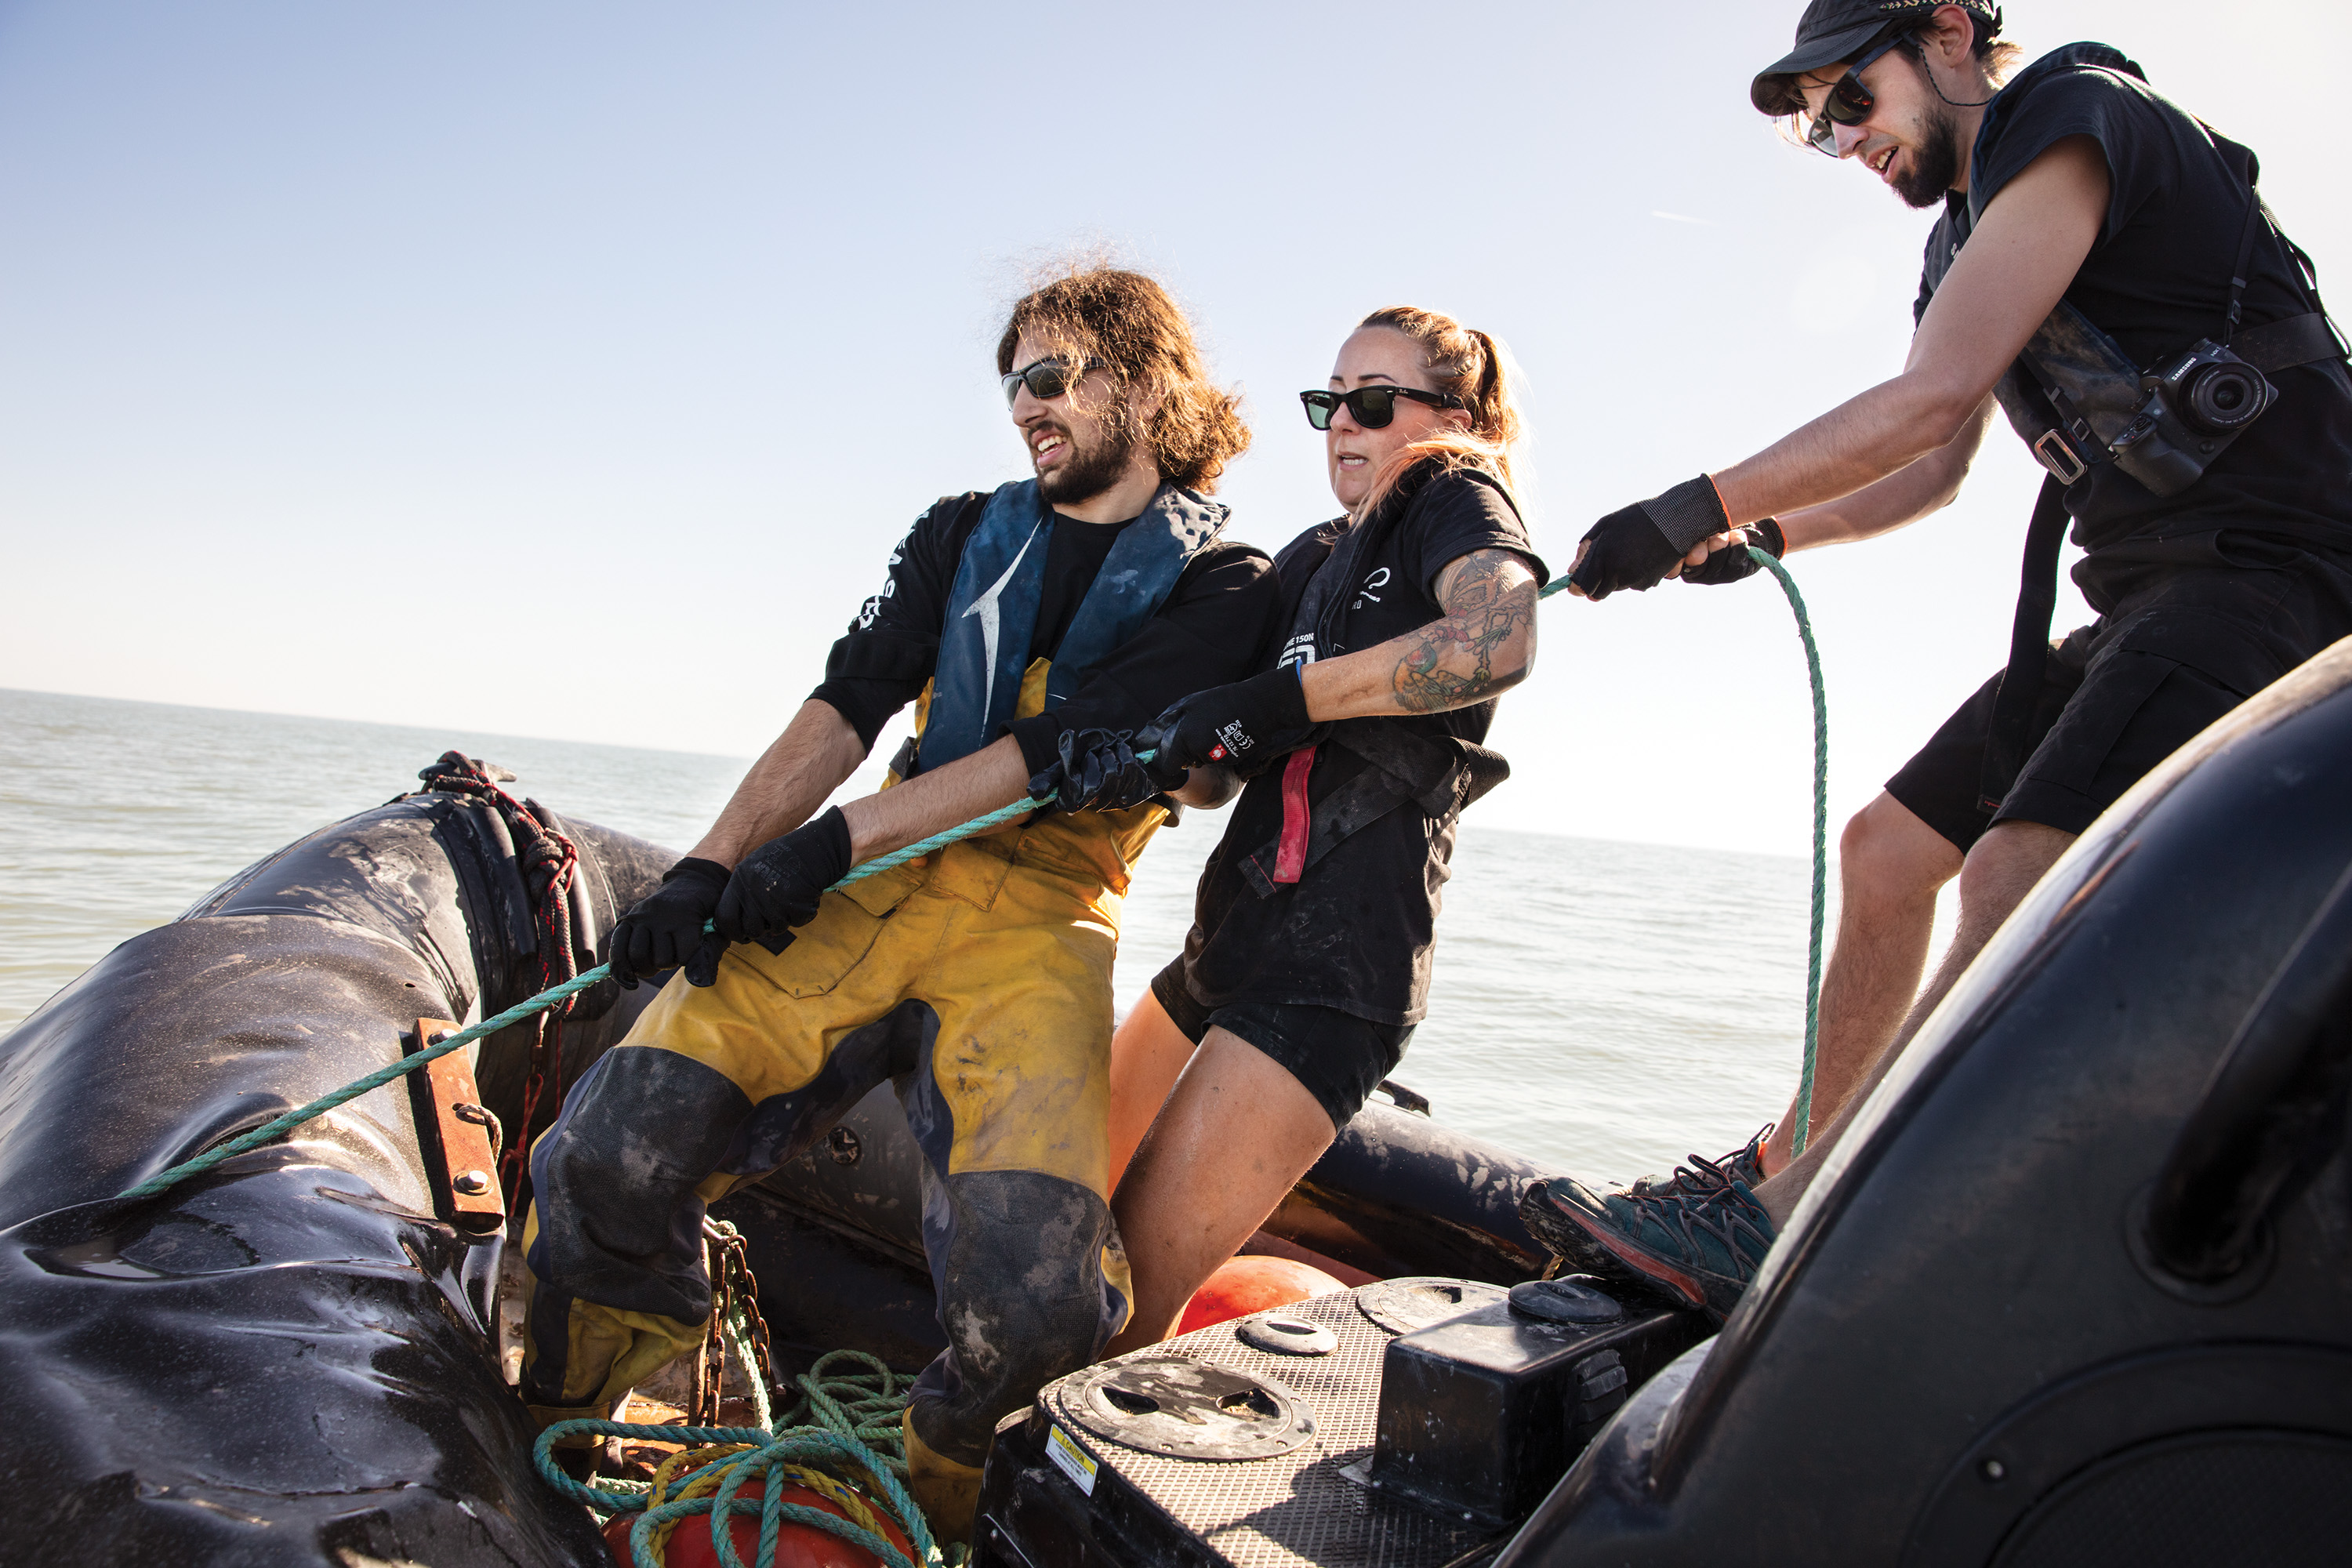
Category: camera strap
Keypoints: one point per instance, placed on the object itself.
(2274, 346)
(2094, 390)
(2247, 173)
(2028, 648)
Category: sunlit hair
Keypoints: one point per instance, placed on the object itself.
(1474, 368)
(1125, 324)
(1999, 55)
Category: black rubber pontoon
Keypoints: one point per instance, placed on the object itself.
(291, 1359)
(2078, 1288)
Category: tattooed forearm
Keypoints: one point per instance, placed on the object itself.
(1482, 645)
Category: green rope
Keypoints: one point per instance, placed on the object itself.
(738, 1330)
(376, 1080)
(515, 1015)
(1801, 1133)
(844, 1422)
(852, 1418)
(1804, 1111)
(279, 1128)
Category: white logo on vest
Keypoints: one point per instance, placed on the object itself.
(985, 607)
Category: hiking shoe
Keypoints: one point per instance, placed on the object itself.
(1701, 1250)
(1703, 1175)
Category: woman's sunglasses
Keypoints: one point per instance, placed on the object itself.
(1849, 102)
(1047, 379)
(1371, 406)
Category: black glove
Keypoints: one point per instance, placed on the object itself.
(1248, 724)
(1732, 563)
(1098, 772)
(776, 886)
(664, 929)
(1637, 547)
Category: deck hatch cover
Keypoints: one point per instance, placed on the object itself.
(1190, 1409)
(1403, 1306)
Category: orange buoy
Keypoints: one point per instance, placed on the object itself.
(1244, 1285)
(797, 1545)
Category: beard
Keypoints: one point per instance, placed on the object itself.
(1090, 471)
(1934, 163)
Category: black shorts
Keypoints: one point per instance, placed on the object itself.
(1335, 1057)
(2122, 694)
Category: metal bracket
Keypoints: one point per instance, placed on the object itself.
(468, 1180)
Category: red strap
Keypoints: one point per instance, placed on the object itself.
(1290, 855)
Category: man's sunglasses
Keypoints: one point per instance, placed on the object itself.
(1047, 379)
(1371, 406)
(1849, 102)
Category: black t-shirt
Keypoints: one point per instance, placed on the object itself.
(1357, 932)
(1222, 608)
(2156, 280)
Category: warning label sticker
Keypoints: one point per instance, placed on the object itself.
(1070, 1459)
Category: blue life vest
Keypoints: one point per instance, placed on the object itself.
(1001, 581)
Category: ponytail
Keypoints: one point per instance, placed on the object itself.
(1474, 368)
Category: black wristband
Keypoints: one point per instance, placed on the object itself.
(832, 830)
(710, 873)
(1689, 512)
(1775, 543)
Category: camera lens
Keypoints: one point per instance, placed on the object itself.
(2223, 397)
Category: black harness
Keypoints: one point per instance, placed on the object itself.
(1440, 775)
(1443, 773)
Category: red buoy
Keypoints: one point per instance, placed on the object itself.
(1244, 1285)
(797, 1545)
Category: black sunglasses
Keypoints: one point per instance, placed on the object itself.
(1849, 102)
(1047, 379)
(1371, 406)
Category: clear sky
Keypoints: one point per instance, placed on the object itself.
(568, 370)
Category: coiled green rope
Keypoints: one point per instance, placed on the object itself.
(845, 1423)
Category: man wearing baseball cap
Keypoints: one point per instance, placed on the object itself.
(2104, 269)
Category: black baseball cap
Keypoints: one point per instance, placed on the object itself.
(1834, 30)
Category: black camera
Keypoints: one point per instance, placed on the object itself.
(2190, 410)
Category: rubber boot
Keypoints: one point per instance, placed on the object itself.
(948, 1492)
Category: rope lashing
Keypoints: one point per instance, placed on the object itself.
(1771, 563)
(548, 862)
(840, 1440)
(165, 1180)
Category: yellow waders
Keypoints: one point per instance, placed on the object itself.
(979, 978)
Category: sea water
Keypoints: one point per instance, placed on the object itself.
(1602, 1009)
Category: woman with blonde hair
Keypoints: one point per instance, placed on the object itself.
(1309, 961)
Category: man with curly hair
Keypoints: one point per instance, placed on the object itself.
(1023, 622)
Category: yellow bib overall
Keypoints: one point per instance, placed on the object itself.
(979, 978)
